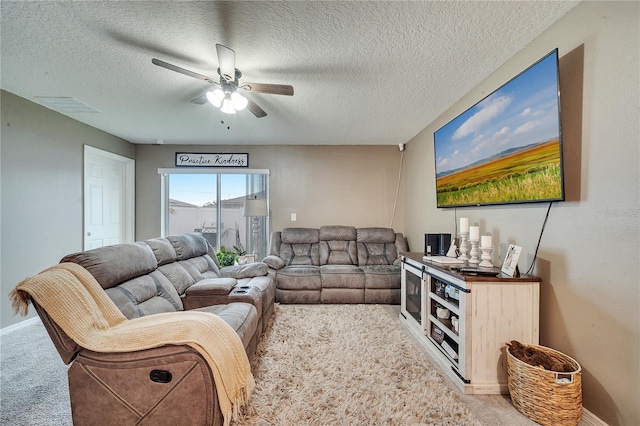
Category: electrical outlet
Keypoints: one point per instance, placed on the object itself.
(294, 217)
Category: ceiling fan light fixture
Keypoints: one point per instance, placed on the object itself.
(227, 106)
(239, 101)
(215, 97)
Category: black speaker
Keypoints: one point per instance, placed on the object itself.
(431, 244)
(436, 244)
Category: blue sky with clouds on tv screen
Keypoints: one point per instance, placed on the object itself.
(523, 111)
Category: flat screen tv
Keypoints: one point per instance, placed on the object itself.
(507, 148)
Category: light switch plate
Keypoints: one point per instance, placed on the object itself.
(293, 217)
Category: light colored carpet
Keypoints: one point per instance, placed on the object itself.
(347, 364)
(33, 380)
(317, 365)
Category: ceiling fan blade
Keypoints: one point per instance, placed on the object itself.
(255, 109)
(200, 100)
(273, 89)
(226, 62)
(172, 67)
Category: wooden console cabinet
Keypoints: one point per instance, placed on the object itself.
(490, 312)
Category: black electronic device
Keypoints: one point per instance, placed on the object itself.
(436, 244)
(476, 271)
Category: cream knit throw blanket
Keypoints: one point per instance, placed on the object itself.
(76, 302)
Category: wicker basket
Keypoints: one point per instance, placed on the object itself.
(546, 397)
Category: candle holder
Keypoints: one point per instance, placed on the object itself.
(486, 257)
(464, 247)
(474, 252)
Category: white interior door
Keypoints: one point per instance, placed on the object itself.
(108, 198)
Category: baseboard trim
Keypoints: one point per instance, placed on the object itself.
(590, 419)
(22, 324)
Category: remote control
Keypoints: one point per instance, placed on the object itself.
(477, 271)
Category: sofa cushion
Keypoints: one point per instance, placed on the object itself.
(341, 276)
(300, 236)
(342, 295)
(299, 278)
(132, 260)
(249, 270)
(189, 245)
(200, 267)
(299, 246)
(382, 276)
(338, 245)
(300, 254)
(336, 252)
(178, 276)
(376, 246)
(376, 235)
(163, 250)
(273, 262)
(242, 317)
(338, 233)
(145, 295)
(212, 286)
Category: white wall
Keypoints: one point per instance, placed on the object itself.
(589, 254)
(41, 187)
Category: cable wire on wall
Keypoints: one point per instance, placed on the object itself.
(535, 255)
(395, 203)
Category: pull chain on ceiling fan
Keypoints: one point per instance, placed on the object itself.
(226, 95)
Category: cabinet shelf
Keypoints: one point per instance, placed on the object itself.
(451, 304)
(445, 325)
(452, 345)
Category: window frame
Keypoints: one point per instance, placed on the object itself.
(164, 190)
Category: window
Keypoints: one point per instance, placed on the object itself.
(211, 202)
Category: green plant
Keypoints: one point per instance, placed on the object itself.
(240, 251)
(226, 258)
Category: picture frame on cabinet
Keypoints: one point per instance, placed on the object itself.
(510, 264)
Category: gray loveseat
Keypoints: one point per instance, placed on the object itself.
(171, 384)
(336, 264)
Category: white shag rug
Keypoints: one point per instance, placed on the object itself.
(347, 365)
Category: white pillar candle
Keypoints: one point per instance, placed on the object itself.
(485, 241)
(474, 233)
(464, 225)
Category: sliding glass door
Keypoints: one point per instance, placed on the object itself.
(211, 203)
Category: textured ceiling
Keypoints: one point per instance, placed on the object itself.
(363, 72)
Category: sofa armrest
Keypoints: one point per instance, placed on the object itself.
(250, 270)
(274, 262)
(103, 381)
(212, 286)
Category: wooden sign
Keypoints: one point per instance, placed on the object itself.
(195, 159)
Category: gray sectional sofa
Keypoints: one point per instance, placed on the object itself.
(171, 384)
(336, 264)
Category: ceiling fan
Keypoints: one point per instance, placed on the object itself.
(225, 95)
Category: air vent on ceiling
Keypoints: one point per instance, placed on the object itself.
(65, 104)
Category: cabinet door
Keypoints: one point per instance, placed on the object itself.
(500, 313)
(412, 294)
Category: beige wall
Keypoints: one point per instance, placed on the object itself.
(323, 185)
(588, 257)
(41, 187)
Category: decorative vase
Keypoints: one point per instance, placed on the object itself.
(443, 313)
